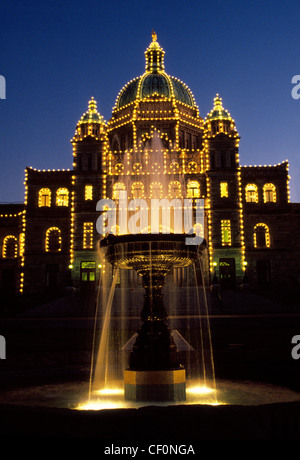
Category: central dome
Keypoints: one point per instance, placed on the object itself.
(155, 81)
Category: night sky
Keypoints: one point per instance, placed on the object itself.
(55, 55)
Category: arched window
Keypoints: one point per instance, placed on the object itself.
(156, 190)
(251, 193)
(117, 187)
(44, 197)
(53, 240)
(193, 189)
(261, 236)
(137, 190)
(269, 193)
(10, 247)
(62, 197)
(174, 189)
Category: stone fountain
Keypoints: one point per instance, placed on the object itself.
(154, 372)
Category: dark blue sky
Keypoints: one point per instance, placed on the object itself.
(55, 55)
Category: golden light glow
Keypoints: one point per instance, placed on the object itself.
(200, 390)
(110, 391)
(99, 405)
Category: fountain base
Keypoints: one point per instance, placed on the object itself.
(159, 385)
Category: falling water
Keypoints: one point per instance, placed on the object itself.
(210, 358)
(102, 366)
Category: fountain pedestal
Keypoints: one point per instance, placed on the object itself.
(154, 372)
(164, 385)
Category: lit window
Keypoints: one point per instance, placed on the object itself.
(10, 247)
(226, 232)
(88, 233)
(193, 189)
(137, 190)
(261, 236)
(174, 189)
(62, 197)
(117, 188)
(53, 240)
(156, 190)
(88, 192)
(44, 197)
(269, 193)
(224, 189)
(251, 193)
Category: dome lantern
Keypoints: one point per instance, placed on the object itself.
(154, 56)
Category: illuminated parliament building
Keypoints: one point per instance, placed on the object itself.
(155, 145)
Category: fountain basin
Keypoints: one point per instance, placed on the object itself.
(161, 252)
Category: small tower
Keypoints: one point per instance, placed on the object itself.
(226, 228)
(89, 159)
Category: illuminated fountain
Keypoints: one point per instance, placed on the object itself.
(154, 373)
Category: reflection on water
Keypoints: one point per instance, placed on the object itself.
(75, 396)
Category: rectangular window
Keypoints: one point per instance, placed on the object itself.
(224, 189)
(88, 192)
(226, 232)
(86, 265)
(88, 233)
